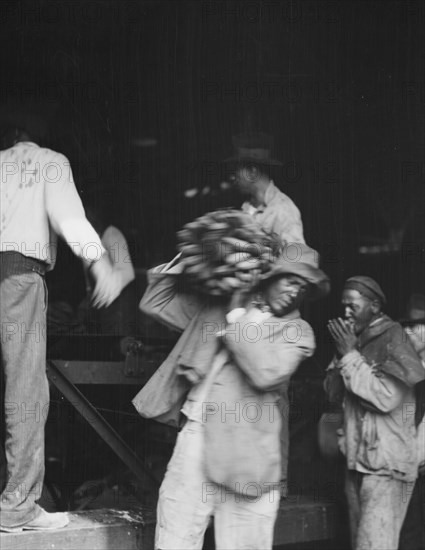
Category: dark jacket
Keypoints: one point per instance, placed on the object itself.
(376, 382)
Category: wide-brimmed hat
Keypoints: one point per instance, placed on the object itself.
(254, 148)
(299, 259)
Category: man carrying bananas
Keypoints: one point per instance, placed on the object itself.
(251, 172)
(230, 366)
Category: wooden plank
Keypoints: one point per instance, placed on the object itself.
(305, 520)
(90, 530)
(100, 372)
(302, 521)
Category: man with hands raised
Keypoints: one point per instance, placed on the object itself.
(374, 372)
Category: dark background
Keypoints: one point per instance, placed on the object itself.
(144, 96)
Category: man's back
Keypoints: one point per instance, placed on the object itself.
(38, 201)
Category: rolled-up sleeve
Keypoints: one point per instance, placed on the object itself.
(382, 391)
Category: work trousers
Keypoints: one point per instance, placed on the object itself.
(23, 304)
(187, 500)
(377, 506)
(412, 535)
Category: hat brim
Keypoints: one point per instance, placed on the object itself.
(319, 282)
(411, 322)
(250, 160)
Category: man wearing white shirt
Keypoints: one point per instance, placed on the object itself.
(39, 201)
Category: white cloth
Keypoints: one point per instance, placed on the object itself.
(39, 201)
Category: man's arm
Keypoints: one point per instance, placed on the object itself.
(67, 217)
(381, 390)
(164, 303)
(66, 212)
(269, 352)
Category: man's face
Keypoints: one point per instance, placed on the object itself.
(285, 293)
(245, 178)
(358, 310)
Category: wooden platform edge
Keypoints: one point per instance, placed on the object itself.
(105, 529)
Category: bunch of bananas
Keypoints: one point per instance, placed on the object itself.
(222, 250)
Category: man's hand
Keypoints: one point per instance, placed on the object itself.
(343, 336)
(242, 295)
(108, 283)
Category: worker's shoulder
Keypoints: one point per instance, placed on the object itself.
(46, 155)
(392, 331)
(294, 328)
(279, 199)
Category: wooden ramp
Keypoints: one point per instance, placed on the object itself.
(303, 520)
(90, 530)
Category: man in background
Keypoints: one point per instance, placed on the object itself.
(252, 167)
(412, 536)
(375, 370)
(39, 201)
(251, 172)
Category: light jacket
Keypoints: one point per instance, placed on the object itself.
(242, 421)
(376, 382)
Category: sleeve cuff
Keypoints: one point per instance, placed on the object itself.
(350, 360)
(349, 357)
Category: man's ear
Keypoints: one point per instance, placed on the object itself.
(376, 307)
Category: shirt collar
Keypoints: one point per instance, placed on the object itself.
(27, 144)
(269, 195)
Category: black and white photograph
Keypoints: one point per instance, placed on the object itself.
(212, 275)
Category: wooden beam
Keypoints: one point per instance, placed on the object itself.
(304, 520)
(102, 372)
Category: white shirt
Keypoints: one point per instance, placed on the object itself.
(278, 214)
(39, 201)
